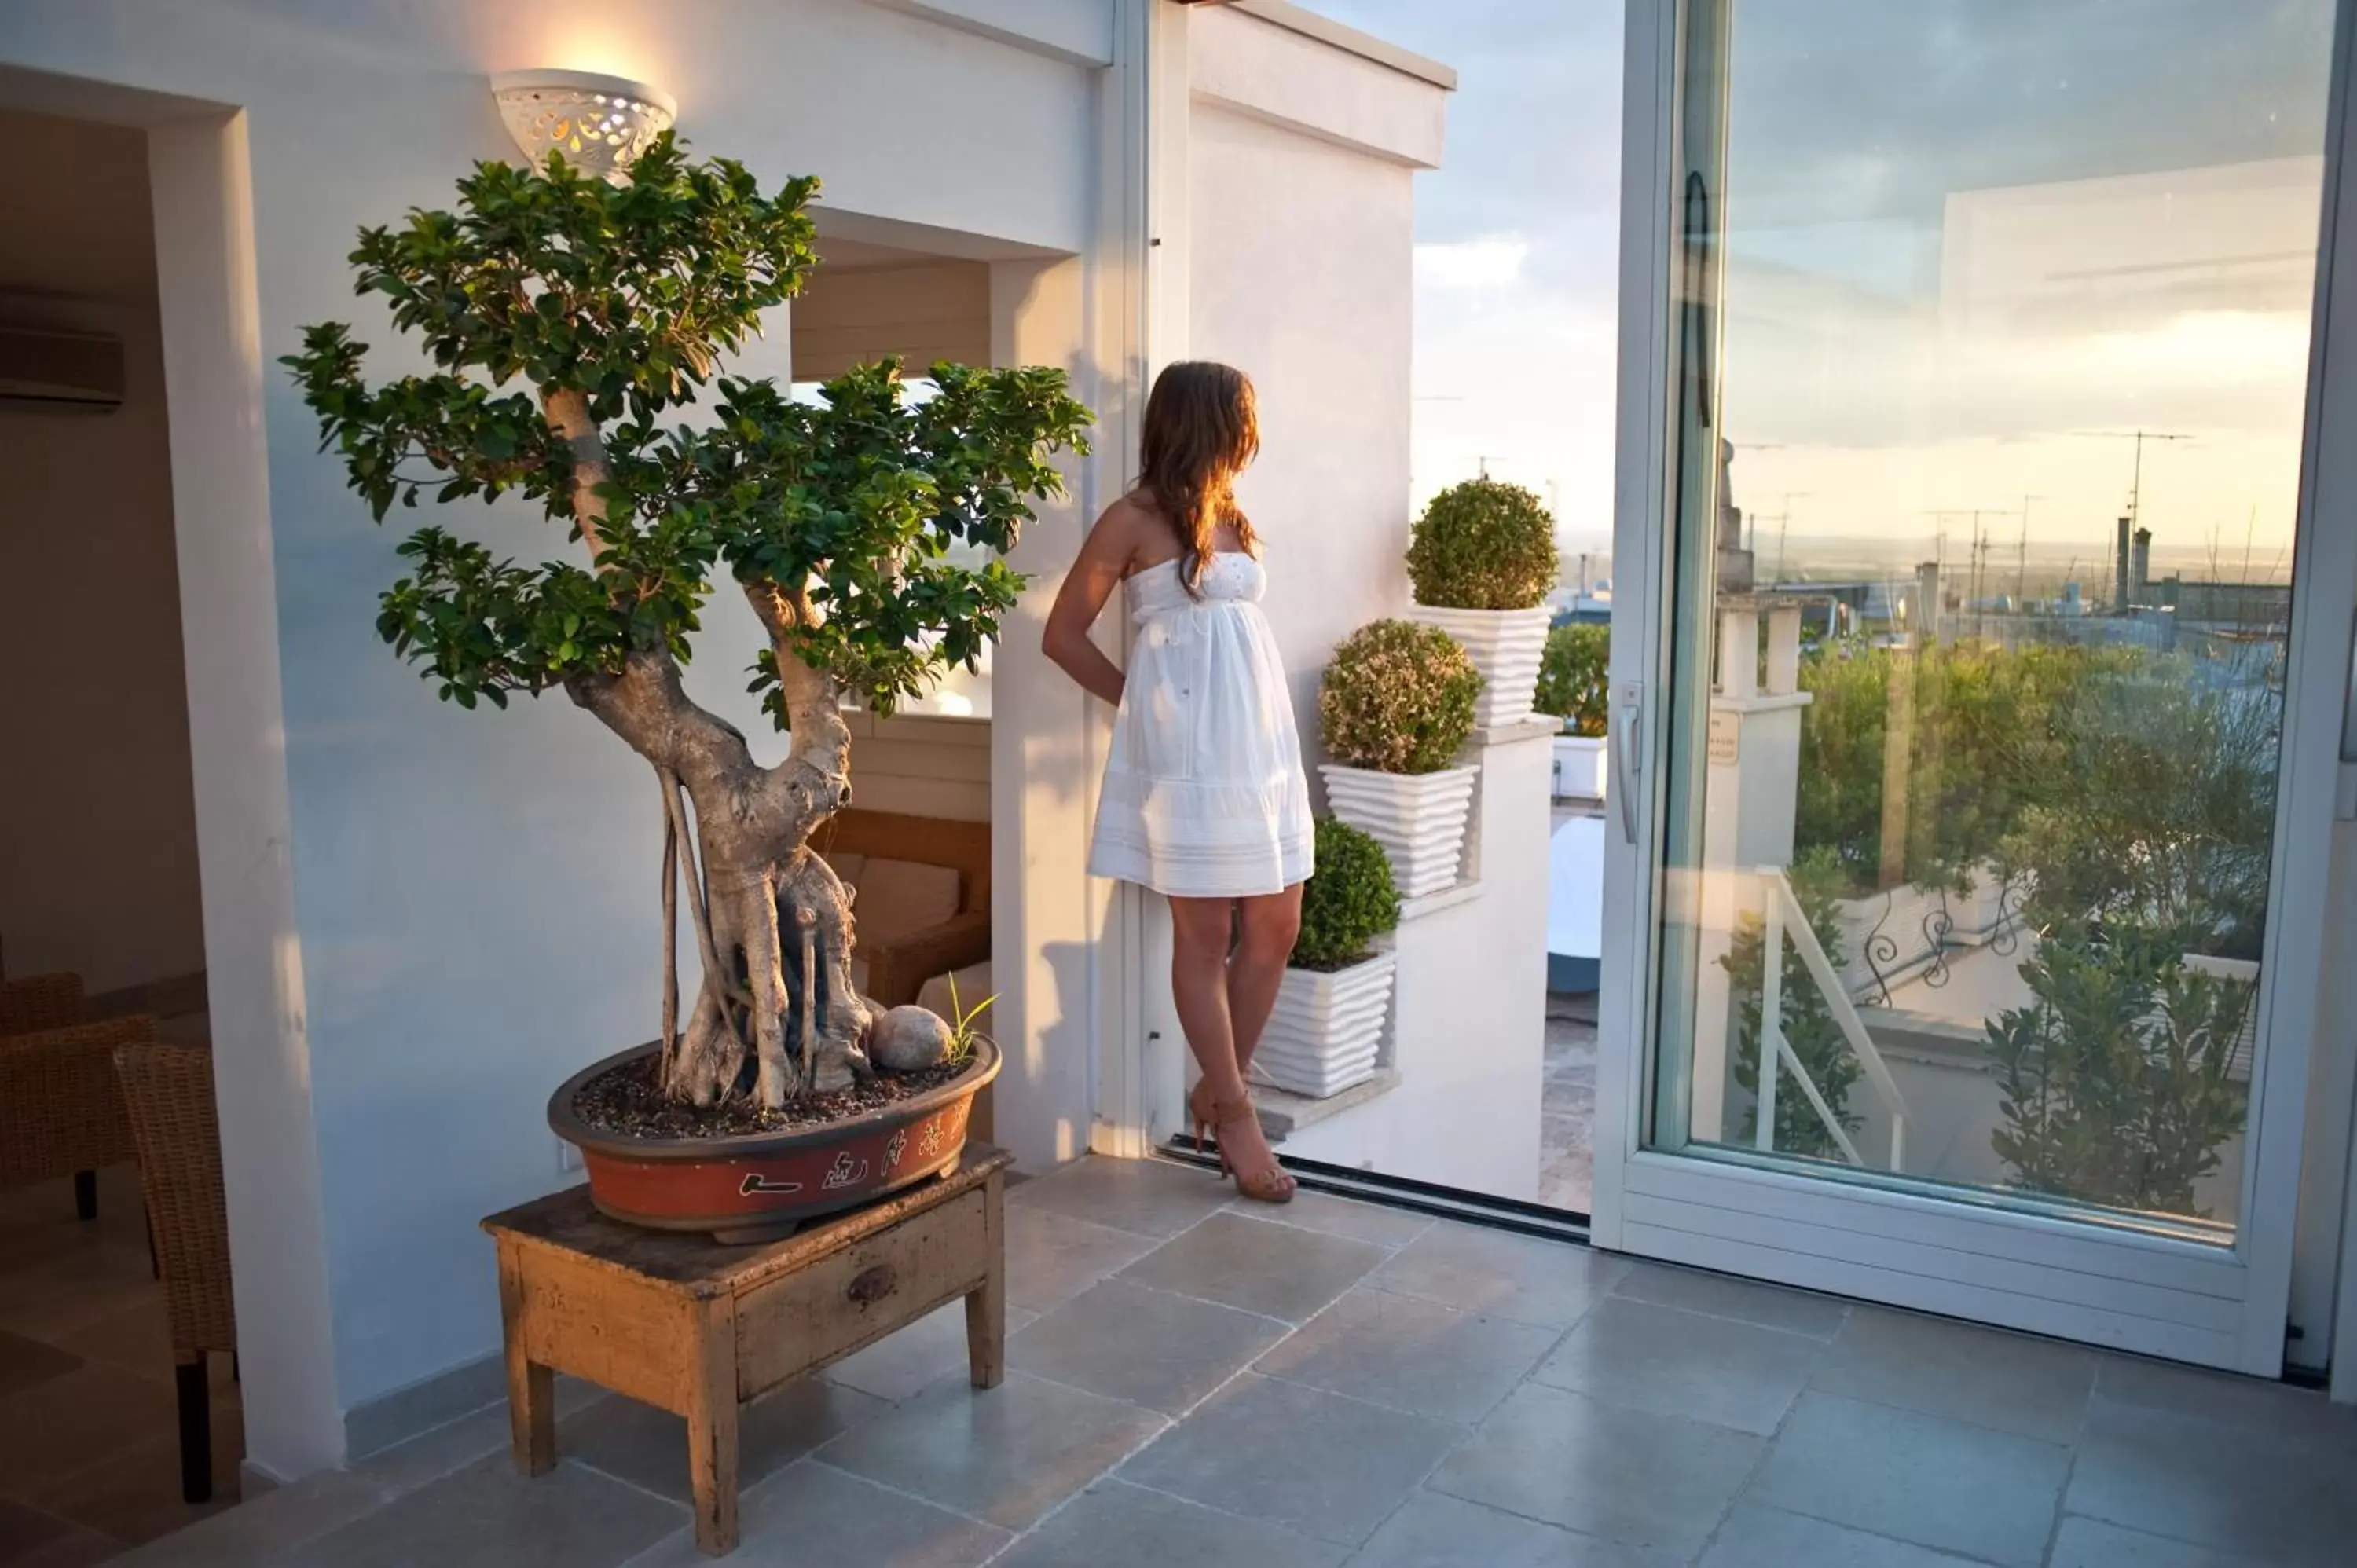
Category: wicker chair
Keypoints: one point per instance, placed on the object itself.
(169, 1091)
(60, 1110)
(898, 968)
(40, 1002)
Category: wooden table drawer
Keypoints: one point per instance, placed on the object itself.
(789, 1325)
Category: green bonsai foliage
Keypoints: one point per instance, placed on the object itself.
(612, 304)
(568, 321)
(1398, 698)
(1348, 902)
(2114, 1080)
(1807, 1020)
(1573, 677)
(1483, 544)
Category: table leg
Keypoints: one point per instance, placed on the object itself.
(985, 1307)
(712, 1429)
(531, 1388)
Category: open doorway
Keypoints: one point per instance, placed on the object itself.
(102, 926)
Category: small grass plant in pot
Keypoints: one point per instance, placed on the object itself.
(1572, 685)
(1326, 1031)
(1482, 560)
(1395, 708)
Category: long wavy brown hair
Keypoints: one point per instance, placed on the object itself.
(1202, 429)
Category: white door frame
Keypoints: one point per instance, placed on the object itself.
(2154, 1294)
(1140, 325)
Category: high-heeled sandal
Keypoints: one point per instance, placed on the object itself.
(1199, 1110)
(1274, 1184)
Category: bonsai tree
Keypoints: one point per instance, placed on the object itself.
(566, 318)
(1574, 673)
(1348, 902)
(1483, 544)
(1398, 698)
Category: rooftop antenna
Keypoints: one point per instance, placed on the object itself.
(2136, 474)
(1783, 522)
(2021, 557)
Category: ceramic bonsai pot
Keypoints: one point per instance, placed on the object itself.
(1326, 1032)
(1506, 646)
(1418, 817)
(752, 1187)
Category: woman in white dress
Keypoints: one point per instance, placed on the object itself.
(1204, 800)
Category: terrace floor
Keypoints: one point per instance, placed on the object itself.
(1194, 1383)
(1567, 1104)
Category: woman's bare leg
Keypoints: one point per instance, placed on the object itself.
(1257, 967)
(1200, 933)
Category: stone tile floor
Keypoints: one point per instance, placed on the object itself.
(88, 1442)
(1567, 1104)
(1198, 1381)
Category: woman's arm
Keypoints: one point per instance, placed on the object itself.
(1104, 556)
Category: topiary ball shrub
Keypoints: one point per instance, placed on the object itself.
(1349, 901)
(1483, 544)
(1398, 698)
(1573, 674)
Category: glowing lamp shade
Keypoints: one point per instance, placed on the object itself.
(598, 123)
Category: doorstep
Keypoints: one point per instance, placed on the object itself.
(1282, 1112)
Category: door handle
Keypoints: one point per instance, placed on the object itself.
(1629, 718)
(2344, 794)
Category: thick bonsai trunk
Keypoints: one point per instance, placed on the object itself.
(776, 1016)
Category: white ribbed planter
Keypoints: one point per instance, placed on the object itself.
(1418, 817)
(1506, 646)
(1327, 1032)
(1579, 768)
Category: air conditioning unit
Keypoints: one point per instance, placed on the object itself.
(46, 371)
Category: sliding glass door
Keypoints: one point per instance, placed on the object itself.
(1978, 708)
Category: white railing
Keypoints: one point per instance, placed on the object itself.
(1784, 915)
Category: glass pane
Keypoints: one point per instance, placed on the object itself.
(1991, 338)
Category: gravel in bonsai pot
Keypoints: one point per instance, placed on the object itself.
(1482, 560)
(1326, 1032)
(1395, 708)
(568, 322)
(1573, 679)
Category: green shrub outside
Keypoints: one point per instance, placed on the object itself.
(1573, 674)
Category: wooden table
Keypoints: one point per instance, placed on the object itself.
(696, 1328)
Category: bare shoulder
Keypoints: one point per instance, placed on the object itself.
(1125, 530)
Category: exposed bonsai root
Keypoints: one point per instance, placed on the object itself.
(774, 1077)
(670, 1058)
(778, 1016)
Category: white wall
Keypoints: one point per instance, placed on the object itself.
(921, 767)
(1045, 922)
(1300, 275)
(472, 914)
(1469, 1024)
(98, 831)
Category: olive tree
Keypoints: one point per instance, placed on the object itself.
(569, 322)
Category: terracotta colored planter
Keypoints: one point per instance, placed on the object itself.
(753, 1186)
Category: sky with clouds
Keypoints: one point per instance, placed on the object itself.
(1965, 233)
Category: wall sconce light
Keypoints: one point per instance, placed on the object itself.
(599, 123)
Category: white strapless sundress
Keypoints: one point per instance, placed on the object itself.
(1204, 794)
